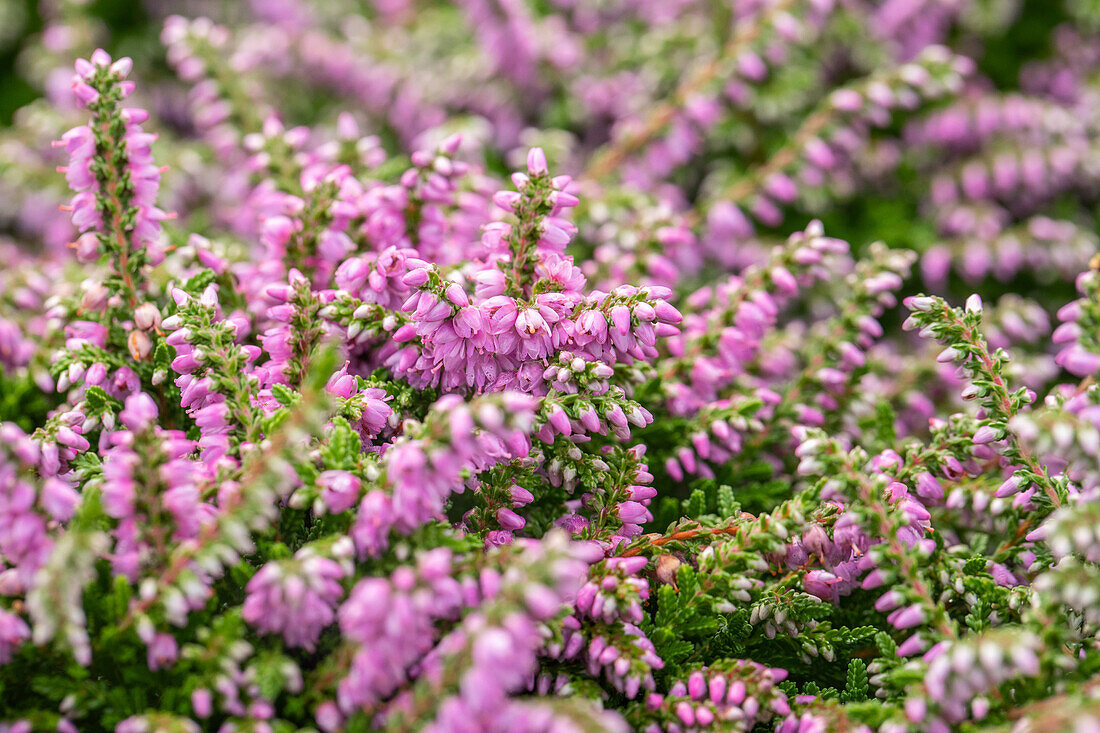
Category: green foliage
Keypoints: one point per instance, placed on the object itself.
(681, 629)
(343, 447)
(22, 401)
(856, 685)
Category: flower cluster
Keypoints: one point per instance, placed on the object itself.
(551, 366)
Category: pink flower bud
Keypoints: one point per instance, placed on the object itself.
(510, 520)
(536, 162)
(147, 316)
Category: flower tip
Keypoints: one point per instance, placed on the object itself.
(974, 304)
(536, 162)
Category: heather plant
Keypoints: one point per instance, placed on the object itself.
(550, 366)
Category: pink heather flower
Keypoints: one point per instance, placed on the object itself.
(375, 412)
(59, 499)
(536, 162)
(985, 434)
(373, 523)
(509, 520)
(928, 487)
(118, 481)
(342, 384)
(162, 651)
(915, 644)
(143, 216)
(520, 496)
(1010, 486)
(202, 702)
(328, 716)
(822, 584)
(296, 599)
(13, 632)
(1078, 362)
(632, 512)
(499, 538)
(907, 617)
(93, 333)
(889, 601)
(394, 627)
(340, 490)
(140, 411)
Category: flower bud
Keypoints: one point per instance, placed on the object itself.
(147, 316)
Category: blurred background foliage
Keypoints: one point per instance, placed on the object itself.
(1003, 37)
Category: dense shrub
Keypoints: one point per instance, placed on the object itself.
(329, 401)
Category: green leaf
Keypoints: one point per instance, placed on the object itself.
(696, 505)
(284, 395)
(97, 399)
(688, 581)
(343, 447)
(666, 606)
(887, 647)
(199, 281)
(163, 355)
(727, 506)
(855, 689)
(975, 565)
(273, 421)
